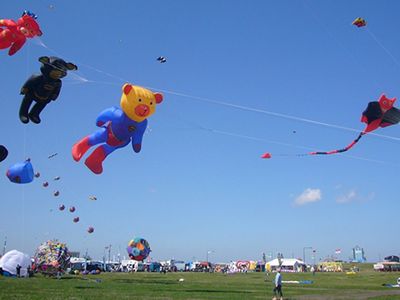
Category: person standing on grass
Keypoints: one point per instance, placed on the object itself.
(278, 285)
(18, 270)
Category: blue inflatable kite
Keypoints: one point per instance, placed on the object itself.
(21, 172)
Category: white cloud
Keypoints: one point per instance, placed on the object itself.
(308, 196)
(338, 186)
(352, 196)
(348, 197)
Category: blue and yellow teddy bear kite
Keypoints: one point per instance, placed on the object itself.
(119, 126)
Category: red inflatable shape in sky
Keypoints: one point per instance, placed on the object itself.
(266, 155)
(13, 34)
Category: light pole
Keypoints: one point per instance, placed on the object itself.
(208, 252)
(270, 255)
(5, 245)
(314, 255)
(104, 258)
(304, 254)
(280, 257)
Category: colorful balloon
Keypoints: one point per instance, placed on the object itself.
(119, 126)
(51, 257)
(138, 249)
(13, 34)
(21, 172)
(43, 88)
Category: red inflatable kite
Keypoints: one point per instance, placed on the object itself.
(266, 155)
(13, 34)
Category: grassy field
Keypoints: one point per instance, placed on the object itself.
(367, 284)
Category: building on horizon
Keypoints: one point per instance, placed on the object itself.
(358, 255)
(74, 253)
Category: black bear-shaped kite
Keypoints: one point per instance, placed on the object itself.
(43, 88)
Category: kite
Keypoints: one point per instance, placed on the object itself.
(76, 219)
(72, 209)
(43, 88)
(51, 257)
(56, 193)
(13, 34)
(94, 198)
(61, 207)
(298, 281)
(379, 113)
(21, 172)
(162, 59)
(57, 178)
(119, 126)
(52, 155)
(45, 184)
(359, 22)
(266, 155)
(90, 229)
(392, 285)
(37, 174)
(138, 249)
(3, 153)
(10, 261)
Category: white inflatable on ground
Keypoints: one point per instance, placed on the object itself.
(10, 260)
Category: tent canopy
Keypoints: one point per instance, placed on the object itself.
(286, 262)
(10, 260)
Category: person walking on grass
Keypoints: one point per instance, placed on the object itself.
(278, 285)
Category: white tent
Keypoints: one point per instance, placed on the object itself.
(10, 260)
(288, 265)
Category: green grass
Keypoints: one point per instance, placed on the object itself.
(365, 285)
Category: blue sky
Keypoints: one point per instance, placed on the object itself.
(199, 184)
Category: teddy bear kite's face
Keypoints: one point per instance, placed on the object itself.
(139, 103)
